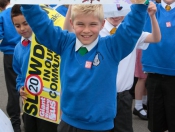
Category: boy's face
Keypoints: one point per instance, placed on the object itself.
(115, 21)
(22, 26)
(168, 1)
(87, 28)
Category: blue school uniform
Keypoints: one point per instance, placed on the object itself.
(20, 66)
(160, 58)
(8, 33)
(20, 63)
(88, 82)
(159, 62)
(62, 10)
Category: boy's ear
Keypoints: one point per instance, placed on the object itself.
(103, 23)
(71, 23)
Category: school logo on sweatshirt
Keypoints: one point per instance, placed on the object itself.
(97, 59)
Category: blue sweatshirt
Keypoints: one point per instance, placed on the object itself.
(20, 63)
(88, 98)
(160, 58)
(8, 33)
(62, 10)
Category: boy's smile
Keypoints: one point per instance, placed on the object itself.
(87, 28)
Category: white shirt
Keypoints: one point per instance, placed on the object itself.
(88, 46)
(22, 38)
(106, 29)
(126, 67)
(164, 4)
(9, 6)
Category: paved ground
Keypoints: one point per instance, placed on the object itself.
(138, 125)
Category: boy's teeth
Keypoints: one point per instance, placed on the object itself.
(86, 36)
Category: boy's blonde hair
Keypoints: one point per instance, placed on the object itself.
(86, 9)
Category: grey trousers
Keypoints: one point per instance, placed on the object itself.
(13, 107)
(123, 119)
(64, 127)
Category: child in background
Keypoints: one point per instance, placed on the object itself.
(20, 65)
(89, 62)
(9, 38)
(159, 62)
(125, 75)
(140, 89)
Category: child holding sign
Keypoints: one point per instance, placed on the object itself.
(89, 63)
(125, 75)
(20, 63)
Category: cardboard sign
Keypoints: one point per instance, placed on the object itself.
(75, 1)
(42, 82)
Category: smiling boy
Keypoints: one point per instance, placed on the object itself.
(88, 88)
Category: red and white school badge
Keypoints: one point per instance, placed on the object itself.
(168, 24)
(88, 64)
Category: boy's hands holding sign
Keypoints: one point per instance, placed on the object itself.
(23, 94)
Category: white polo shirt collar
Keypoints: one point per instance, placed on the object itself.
(89, 46)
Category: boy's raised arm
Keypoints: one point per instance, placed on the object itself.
(129, 31)
(16, 68)
(67, 25)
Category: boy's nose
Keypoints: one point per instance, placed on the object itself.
(22, 28)
(86, 29)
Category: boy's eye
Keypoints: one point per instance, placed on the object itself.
(93, 24)
(79, 23)
(17, 26)
(25, 23)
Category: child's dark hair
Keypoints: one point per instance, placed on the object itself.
(4, 3)
(16, 11)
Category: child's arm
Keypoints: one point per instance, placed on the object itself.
(124, 40)
(16, 68)
(1, 29)
(19, 83)
(67, 25)
(155, 36)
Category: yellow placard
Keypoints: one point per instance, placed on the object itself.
(42, 83)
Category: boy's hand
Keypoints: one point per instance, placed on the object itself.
(152, 9)
(23, 94)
